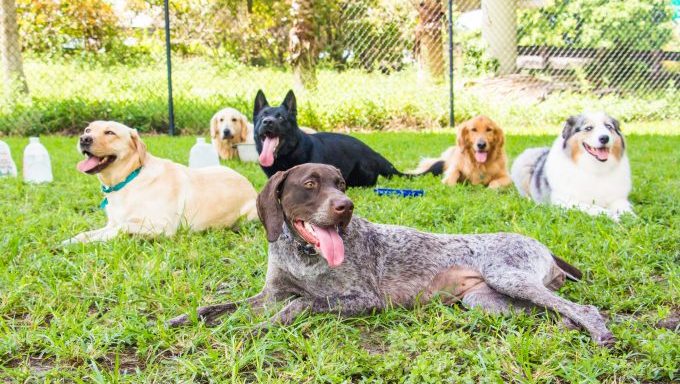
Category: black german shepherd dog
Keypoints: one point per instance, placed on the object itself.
(282, 145)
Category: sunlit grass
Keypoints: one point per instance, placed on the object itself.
(95, 312)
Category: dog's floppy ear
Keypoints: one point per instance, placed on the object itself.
(498, 133)
(260, 102)
(569, 127)
(616, 124)
(213, 128)
(461, 134)
(244, 128)
(269, 207)
(290, 103)
(138, 145)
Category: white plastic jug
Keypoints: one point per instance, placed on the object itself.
(37, 165)
(7, 166)
(203, 155)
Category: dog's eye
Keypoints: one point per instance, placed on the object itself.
(341, 185)
(109, 133)
(310, 184)
(474, 129)
(233, 119)
(221, 119)
(589, 128)
(88, 130)
(609, 126)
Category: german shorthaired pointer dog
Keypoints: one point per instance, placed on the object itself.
(323, 260)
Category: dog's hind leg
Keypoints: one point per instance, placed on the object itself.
(249, 210)
(521, 285)
(497, 303)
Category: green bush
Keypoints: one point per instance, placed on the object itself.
(617, 26)
(633, 24)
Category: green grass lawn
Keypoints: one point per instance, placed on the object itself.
(95, 312)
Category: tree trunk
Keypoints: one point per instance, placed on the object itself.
(429, 44)
(10, 51)
(302, 43)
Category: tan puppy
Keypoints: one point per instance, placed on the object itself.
(163, 195)
(478, 157)
(229, 127)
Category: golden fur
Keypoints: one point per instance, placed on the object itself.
(241, 132)
(165, 195)
(460, 164)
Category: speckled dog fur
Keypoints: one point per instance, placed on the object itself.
(391, 265)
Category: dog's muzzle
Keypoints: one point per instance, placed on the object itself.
(85, 141)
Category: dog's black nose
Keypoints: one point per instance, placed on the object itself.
(343, 206)
(481, 144)
(85, 140)
(267, 121)
(604, 139)
(227, 134)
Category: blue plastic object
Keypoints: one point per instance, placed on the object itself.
(399, 192)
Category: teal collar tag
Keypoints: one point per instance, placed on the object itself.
(118, 186)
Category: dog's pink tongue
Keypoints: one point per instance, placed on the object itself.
(481, 157)
(88, 163)
(602, 154)
(268, 148)
(331, 245)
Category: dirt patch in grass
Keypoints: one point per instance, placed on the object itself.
(125, 361)
(37, 365)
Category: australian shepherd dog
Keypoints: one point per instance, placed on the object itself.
(586, 168)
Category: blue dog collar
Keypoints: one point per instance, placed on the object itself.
(118, 187)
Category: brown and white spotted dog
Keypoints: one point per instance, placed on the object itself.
(586, 168)
(321, 259)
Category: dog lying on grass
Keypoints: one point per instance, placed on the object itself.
(282, 145)
(478, 156)
(150, 196)
(586, 168)
(229, 127)
(321, 259)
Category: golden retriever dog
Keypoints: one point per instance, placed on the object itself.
(148, 195)
(478, 157)
(229, 127)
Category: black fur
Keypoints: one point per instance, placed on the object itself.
(570, 128)
(540, 181)
(436, 169)
(358, 163)
(572, 273)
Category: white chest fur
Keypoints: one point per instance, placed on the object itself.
(586, 180)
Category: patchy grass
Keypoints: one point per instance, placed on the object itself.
(95, 312)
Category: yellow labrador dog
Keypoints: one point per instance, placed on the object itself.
(151, 196)
(229, 127)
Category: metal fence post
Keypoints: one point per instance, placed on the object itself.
(451, 122)
(168, 60)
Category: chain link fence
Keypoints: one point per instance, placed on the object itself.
(354, 64)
